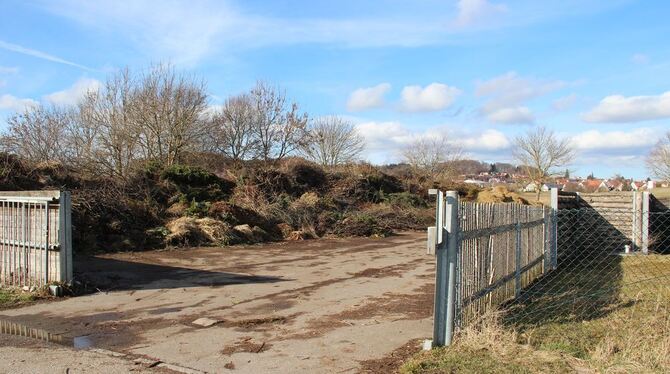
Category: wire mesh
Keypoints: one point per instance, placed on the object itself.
(607, 259)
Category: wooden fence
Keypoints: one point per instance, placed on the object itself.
(35, 238)
(503, 249)
(486, 254)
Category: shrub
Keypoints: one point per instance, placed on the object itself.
(362, 224)
(405, 200)
(197, 184)
(305, 175)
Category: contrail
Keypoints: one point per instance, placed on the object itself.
(35, 53)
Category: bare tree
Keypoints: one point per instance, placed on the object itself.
(232, 131)
(38, 134)
(658, 161)
(167, 110)
(279, 128)
(106, 125)
(333, 141)
(435, 157)
(540, 152)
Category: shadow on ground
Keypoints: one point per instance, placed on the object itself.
(109, 274)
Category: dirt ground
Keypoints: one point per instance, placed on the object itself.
(328, 306)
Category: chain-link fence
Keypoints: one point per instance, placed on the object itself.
(603, 264)
(542, 265)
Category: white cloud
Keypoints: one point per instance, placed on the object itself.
(72, 94)
(368, 97)
(640, 58)
(507, 95)
(189, 31)
(564, 103)
(511, 115)
(435, 96)
(385, 140)
(39, 54)
(594, 140)
(621, 109)
(489, 140)
(472, 11)
(15, 104)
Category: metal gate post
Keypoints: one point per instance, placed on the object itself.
(453, 238)
(440, 311)
(554, 228)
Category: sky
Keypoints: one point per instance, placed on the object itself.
(479, 72)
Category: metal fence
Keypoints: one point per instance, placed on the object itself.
(539, 264)
(35, 238)
(602, 266)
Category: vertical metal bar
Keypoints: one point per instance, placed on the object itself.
(545, 241)
(517, 252)
(554, 228)
(45, 235)
(453, 239)
(3, 267)
(645, 222)
(441, 276)
(65, 235)
(635, 228)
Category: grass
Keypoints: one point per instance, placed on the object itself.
(13, 298)
(617, 321)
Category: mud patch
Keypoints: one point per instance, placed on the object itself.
(391, 362)
(245, 344)
(386, 271)
(410, 306)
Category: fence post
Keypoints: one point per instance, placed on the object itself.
(65, 236)
(645, 222)
(45, 236)
(441, 275)
(517, 260)
(453, 238)
(554, 229)
(546, 241)
(634, 234)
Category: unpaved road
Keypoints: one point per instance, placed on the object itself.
(322, 306)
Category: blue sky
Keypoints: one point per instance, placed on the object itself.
(478, 71)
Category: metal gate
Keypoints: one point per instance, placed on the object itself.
(35, 238)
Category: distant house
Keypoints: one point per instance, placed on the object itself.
(594, 185)
(532, 187)
(616, 185)
(548, 186)
(638, 186)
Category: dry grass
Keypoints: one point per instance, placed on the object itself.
(629, 334)
(489, 348)
(15, 298)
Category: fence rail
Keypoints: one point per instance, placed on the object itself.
(35, 238)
